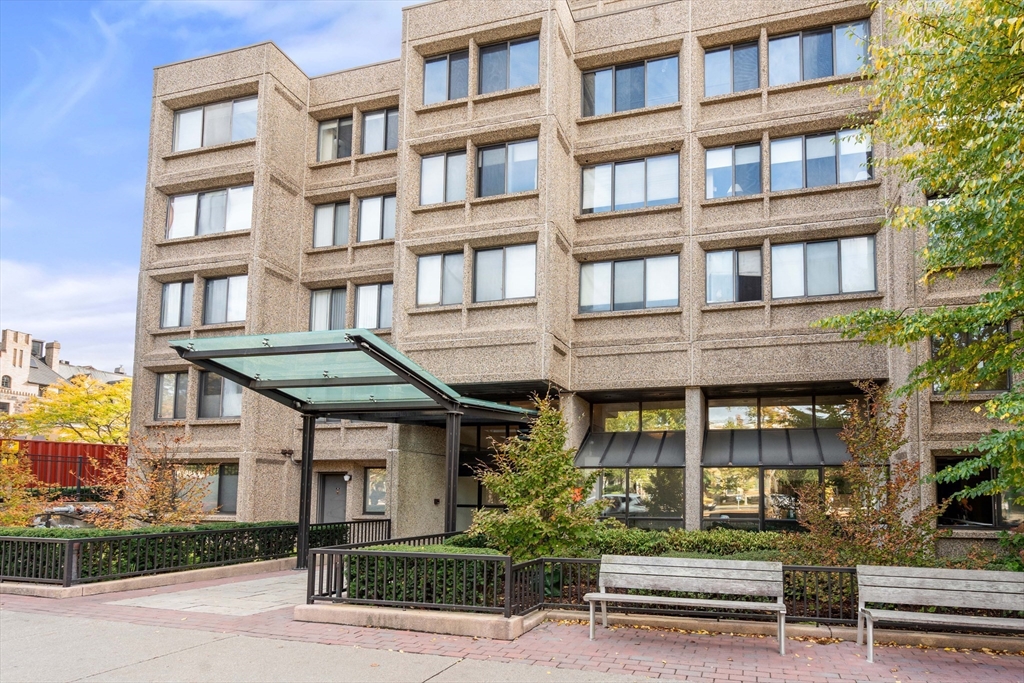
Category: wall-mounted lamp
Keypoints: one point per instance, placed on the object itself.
(347, 477)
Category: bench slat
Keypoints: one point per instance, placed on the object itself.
(866, 570)
(690, 562)
(693, 602)
(949, 619)
(690, 585)
(941, 598)
(1002, 587)
(696, 572)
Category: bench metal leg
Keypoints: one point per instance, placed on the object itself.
(604, 613)
(860, 627)
(782, 633)
(871, 638)
(592, 619)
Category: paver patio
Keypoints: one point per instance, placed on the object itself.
(261, 608)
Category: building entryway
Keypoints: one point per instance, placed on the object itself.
(333, 497)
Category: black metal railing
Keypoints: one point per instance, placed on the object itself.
(104, 558)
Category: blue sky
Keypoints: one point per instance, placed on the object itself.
(75, 97)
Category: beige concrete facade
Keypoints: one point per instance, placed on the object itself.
(505, 348)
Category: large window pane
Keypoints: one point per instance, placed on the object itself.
(239, 208)
(370, 210)
(851, 47)
(327, 145)
(662, 180)
(339, 305)
(390, 209)
(458, 75)
(662, 281)
(210, 388)
(435, 80)
(428, 280)
(432, 180)
(858, 254)
(212, 212)
(822, 268)
(597, 93)
(524, 63)
(663, 415)
(748, 170)
(231, 403)
(720, 276)
(597, 189)
(1011, 514)
(237, 287)
(451, 279)
(227, 493)
(595, 287)
(732, 413)
(387, 293)
(782, 492)
(520, 271)
(821, 160)
(787, 413)
(320, 310)
(784, 60)
(787, 271)
(662, 81)
(488, 275)
(455, 177)
(854, 156)
(217, 124)
(611, 487)
(344, 142)
(493, 68)
(731, 497)
(616, 417)
(830, 412)
(817, 54)
(745, 69)
(323, 225)
(391, 138)
(975, 512)
(748, 274)
(492, 172)
(170, 305)
(522, 166)
(718, 165)
(787, 164)
(181, 216)
(657, 492)
(366, 306)
(717, 74)
(167, 387)
(628, 285)
(629, 185)
(376, 491)
(188, 129)
(629, 87)
(243, 119)
(373, 132)
(215, 303)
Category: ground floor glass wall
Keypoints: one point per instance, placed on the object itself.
(762, 498)
(649, 497)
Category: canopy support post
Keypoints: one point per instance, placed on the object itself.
(305, 490)
(453, 428)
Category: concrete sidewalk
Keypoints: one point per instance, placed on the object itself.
(41, 647)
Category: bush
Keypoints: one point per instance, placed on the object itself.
(467, 541)
(719, 542)
(612, 538)
(437, 548)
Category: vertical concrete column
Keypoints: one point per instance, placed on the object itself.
(576, 413)
(695, 421)
(419, 479)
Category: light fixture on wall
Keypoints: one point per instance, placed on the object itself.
(347, 477)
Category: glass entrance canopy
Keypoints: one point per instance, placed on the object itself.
(350, 374)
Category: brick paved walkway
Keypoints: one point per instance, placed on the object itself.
(646, 653)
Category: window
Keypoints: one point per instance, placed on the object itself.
(225, 300)
(653, 181)
(515, 64)
(373, 306)
(646, 416)
(375, 491)
(508, 273)
(733, 275)
(981, 512)
(446, 78)
(788, 412)
(439, 279)
(5, 381)
(731, 69)
(206, 213)
(816, 160)
(443, 178)
(222, 482)
(629, 285)
(1000, 382)
(376, 218)
(334, 139)
(834, 50)
(380, 130)
(176, 304)
(327, 309)
(508, 168)
(631, 86)
(733, 171)
(5, 407)
(822, 268)
(215, 124)
(171, 395)
(647, 497)
(330, 225)
(219, 397)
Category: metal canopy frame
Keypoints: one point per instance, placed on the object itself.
(432, 403)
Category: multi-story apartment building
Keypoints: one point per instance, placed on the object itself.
(641, 205)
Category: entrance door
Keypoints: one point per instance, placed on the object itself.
(333, 492)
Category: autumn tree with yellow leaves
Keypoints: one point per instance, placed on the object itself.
(83, 409)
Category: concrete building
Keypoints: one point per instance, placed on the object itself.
(641, 205)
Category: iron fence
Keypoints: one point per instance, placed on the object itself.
(70, 561)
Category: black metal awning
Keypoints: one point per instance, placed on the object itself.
(632, 449)
(773, 448)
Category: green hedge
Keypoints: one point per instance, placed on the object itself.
(619, 540)
(77, 532)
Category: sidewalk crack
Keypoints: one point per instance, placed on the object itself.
(425, 680)
(155, 657)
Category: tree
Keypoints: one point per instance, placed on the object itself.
(542, 489)
(948, 85)
(154, 488)
(83, 409)
(869, 514)
(20, 501)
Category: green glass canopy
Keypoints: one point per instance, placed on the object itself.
(350, 374)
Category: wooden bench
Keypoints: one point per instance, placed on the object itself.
(723, 577)
(969, 589)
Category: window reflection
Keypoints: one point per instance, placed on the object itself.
(731, 497)
(782, 492)
(735, 413)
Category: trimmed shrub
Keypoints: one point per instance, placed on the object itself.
(467, 541)
(723, 542)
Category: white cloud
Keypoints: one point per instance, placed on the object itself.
(89, 310)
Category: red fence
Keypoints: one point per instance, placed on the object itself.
(67, 463)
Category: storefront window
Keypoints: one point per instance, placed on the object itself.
(781, 494)
(735, 413)
(787, 413)
(616, 417)
(731, 497)
(659, 492)
(838, 492)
